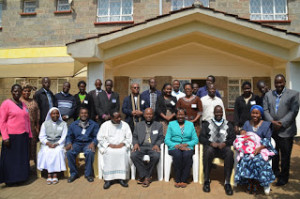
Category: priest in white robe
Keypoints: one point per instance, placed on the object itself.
(115, 139)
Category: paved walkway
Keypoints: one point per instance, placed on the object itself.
(37, 188)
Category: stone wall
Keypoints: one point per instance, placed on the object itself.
(49, 29)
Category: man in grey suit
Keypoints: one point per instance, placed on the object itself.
(94, 93)
(281, 107)
(108, 102)
(147, 138)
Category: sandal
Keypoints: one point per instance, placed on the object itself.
(49, 181)
(55, 180)
(249, 188)
(254, 189)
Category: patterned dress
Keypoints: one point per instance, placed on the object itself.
(34, 114)
(256, 167)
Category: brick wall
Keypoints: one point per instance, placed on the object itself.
(49, 29)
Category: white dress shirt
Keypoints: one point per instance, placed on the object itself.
(209, 105)
(178, 94)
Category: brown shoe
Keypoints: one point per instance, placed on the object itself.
(183, 185)
(177, 185)
(140, 181)
(146, 182)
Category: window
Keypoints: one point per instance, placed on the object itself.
(178, 4)
(0, 14)
(235, 90)
(29, 6)
(114, 10)
(271, 10)
(63, 5)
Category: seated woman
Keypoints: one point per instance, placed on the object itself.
(52, 136)
(181, 138)
(255, 149)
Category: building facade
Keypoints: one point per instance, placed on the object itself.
(133, 40)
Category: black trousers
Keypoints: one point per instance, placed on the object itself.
(182, 163)
(209, 153)
(284, 148)
(145, 170)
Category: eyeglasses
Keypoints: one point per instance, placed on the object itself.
(136, 87)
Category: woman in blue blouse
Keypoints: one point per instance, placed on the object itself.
(181, 138)
(255, 171)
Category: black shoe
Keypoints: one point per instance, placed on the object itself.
(72, 178)
(90, 178)
(106, 185)
(281, 182)
(206, 187)
(228, 189)
(123, 183)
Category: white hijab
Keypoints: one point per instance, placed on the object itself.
(48, 117)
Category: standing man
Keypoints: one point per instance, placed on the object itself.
(45, 99)
(115, 139)
(195, 87)
(66, 103)
(150, 96)
(108, 102)
(209, 102)
(176, 92)
(147, 138)
(133, 106)
(82, 137)
(263, 89)
(281, 107)
(203, 91)
(95, 93)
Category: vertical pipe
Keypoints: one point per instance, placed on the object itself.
(160, 7)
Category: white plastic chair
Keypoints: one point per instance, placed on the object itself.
(159, 167)
(100, 165)
(168, 162)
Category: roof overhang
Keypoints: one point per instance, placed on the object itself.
(204, 26)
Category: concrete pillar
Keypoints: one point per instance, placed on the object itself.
(293, 82)
(95, 70)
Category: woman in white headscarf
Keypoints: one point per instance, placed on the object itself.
(52, 136)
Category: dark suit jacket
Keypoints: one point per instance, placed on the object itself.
(156, 134)
(88, 103)
(287, 111)
(127, 109)
(107, 106)
(42, 100)
(95, 97)
(146, 97)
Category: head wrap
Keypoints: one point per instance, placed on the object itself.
(257, 107)
(48, 117)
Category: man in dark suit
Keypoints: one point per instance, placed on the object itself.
(133, 106)
(108, 102)
(45, 99)
(281, 107)
(150, 96)
(95, 93)
(146, 140)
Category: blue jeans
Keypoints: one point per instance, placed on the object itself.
(77, 148)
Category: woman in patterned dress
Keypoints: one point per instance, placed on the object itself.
(34, 114)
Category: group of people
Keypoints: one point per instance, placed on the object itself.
(87, 121)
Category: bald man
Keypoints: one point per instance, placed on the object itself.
(133, 106)
(147, 137)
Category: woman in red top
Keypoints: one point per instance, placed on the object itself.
(15, 131)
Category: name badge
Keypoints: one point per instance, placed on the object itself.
(173, 103)
(252, 102)
(155, 132)
(114, 101)
(83, 131)
(85, 102)
(194, 105)
(60, 128)
(142, 102)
